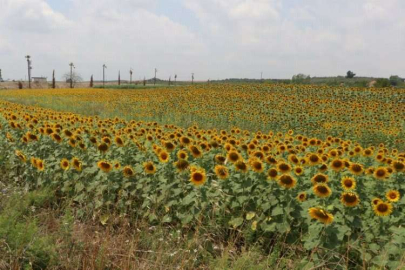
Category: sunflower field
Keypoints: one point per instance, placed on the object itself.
(319, 169)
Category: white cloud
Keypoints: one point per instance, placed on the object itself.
(216, 39)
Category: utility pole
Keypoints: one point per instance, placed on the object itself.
(104, 67)
(192, 78)
(170, 78)
(175, 79)
(1, 79)
(154, 81)
(29, 70)
(130, 76)
(72, 66)
(53, 80)
(119, 77)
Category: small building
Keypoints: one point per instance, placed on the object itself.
(39, 79)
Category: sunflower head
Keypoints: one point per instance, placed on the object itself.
(21, 156)
(257, 165)
(241, 166)
(319, 178)
(376, 201)
(381, 173)
(283, 167)
(356, 168)
(320, 215)
(322, 190)
(195, 151)
(40, 165)
(314, 159)
(64, 164)
(298, 170)
(198, 177)
(287, 181)
(348, 183)
(393, 195)
(103, 147)
(272, 174)
(182, 154)
(337, 165)
(105, 166)
(119, 141)
(220, 159)
(149, 167)
(302, 196)
(349, 199)
(383, 209)
(181, 165)
(233, 156)
(398, 166)
(221, 171)
(164, 156)
(77, 164)
(128, 171)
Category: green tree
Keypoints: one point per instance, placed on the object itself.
(395, 80)
(301, 78)
(350, 74)
(382, 82)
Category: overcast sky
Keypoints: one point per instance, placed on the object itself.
(212, 38)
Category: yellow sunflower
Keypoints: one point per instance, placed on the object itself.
(128, 171)
(319, 178)
(383, 209)
(105, 166)
(221, 171)
(164, 156)
(149, 167)
(320, 215)
(77, 164)
(393, 195)
(241, 166)
(64, 164)
(198, 177)
(257, 165)
(181, 165)
(356, 168)
(272, 174)
(349, 199)
(348, 183)
(337, 165)
(381, 173)
(287, 181)
(322, 190)
(182, 154)
(302, 196)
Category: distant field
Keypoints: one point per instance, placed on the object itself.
(368, 116)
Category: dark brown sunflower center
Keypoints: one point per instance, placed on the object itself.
(380, 173)
(287, 180)
(322, 189)
(320, 179)
(348, 183)
(382, 207)
(350, 198)
(105, 165)
(197, 177)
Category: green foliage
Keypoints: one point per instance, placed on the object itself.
(301, 79)
(382, 82)
(396, 80)
(350, 74)
(19, 232)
